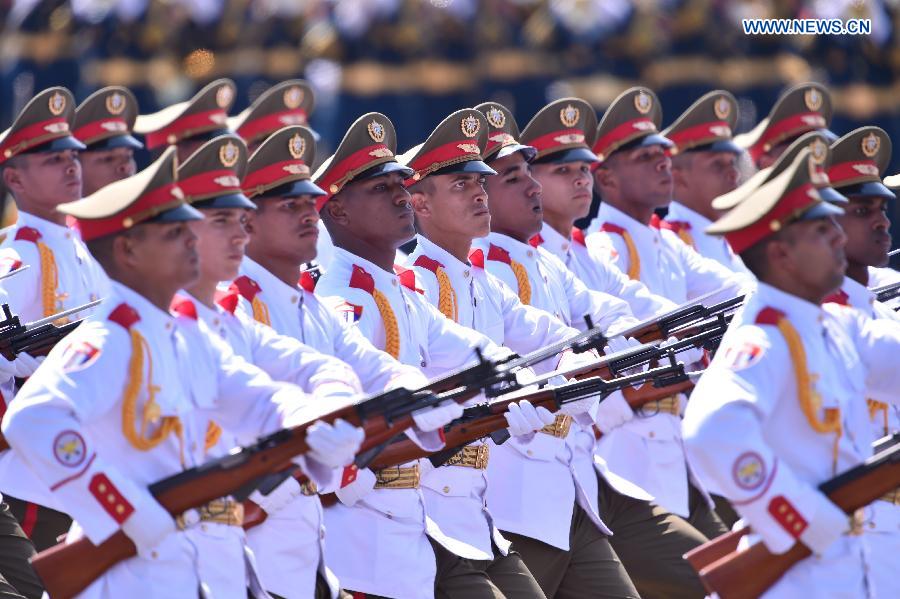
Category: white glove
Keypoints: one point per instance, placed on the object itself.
(432, 419)
(149, 526)
(279, 497)
(361, 486)
(612, 412)
(333, 445)
(688, 356)
(618, 344)
(24, 365)
(523, 418)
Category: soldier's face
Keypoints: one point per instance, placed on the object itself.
(164, 253)
(457, 205)
(640, 176)
(812, 256)
(379, 210)
(702, 176)
(515, 198)
(866, 224)
(567, 188)
(221, 240)
(99, 168)
(44, 179)
(285, 228)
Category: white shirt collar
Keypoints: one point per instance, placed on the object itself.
(643, 235)
(47, 228)
(265, 279)
(151, 316)
(801, 313)
(451, 264)
(680, 212)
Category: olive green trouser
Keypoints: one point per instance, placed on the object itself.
(590, 568)
(505, 576)
(651, 541)
(17, 578)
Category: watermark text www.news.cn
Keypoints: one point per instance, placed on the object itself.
(807, 26)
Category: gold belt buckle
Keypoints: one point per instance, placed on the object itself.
(857, 520)
(397, 478)
(666, 405)
(471, 456)
(559, 427)
(891, 497)
(308, 488)
(222, 511)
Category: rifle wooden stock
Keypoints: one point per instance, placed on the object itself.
(750, 573)
(67, 569)
(715, 549)
(467, 432)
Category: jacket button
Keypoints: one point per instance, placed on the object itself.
(651, 434)
(446, 489)
(529, 452)
(154, 555)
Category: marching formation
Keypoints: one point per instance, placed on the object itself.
(247, 372)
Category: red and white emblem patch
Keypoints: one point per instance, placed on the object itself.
(69, 449)
(745, 355)
(749, 471)
(79, 355)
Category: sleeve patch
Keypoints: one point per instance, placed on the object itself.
(351, 313)
(787, 516)
(78, 356)
(109, 497)
(69, 449)
(749, 471)
(9, 263)
(744, 355)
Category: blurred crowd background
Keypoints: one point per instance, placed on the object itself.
(418, 60)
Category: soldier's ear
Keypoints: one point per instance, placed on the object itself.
(421, 205)
(334, 211)
(604, 178)
(12, 177)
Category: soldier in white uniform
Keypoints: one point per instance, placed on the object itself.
(567, 185)
(704, 166)
(368, 215)
(452, 211)
(858, 160)
(634, 179)
(782, 407)
(289, 543)
(126, 401)
(103, 123)
(40, 168)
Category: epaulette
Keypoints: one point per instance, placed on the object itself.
(184, 306)
(124, 315)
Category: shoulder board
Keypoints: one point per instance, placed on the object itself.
(476, 257)
(769, 316)
(247, 287)
(839, 297)
(28, 234)
(360, 279)
(498, 254)
(308, 281)
(611, 228)
(124, 315)
(407, 278)
(578, 236)
(536, 240)
(427, 263)
(676, 226)
(183, 306)
(228, 300)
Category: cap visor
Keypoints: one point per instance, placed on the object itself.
(469, 166)
(569, 155)
(829, 194)
(384, 169)
(118, 141)
(528, 152)
(830, 136)
(821, 210)
(57, 145)
(654, 139)
(869, 188)
(301, 187)
(232, 200)
(179, 213)
(723, 145)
